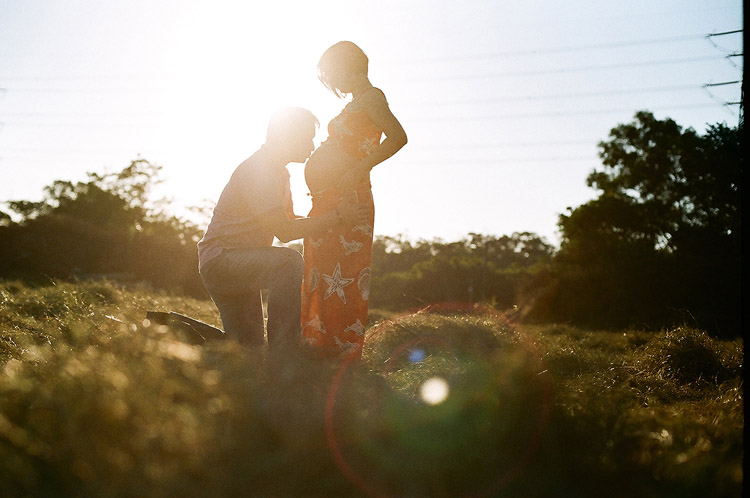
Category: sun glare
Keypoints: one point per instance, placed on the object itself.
(228, 70)
(434, 391)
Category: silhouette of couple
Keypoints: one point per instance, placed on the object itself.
(236, 257)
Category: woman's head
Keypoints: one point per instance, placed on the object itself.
(339, 64)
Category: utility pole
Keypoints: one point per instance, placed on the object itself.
(710, 37)
(742, 90)
(742, 87)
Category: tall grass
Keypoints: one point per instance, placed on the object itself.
(95, 401)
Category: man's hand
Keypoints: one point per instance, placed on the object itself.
(353, 213)
(348, 212)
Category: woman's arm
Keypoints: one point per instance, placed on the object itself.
(395, 137)
(377, 109)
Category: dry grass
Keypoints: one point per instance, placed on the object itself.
(96, 402)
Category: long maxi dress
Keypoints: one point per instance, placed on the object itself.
(336, 286)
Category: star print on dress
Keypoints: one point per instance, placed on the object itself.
(336, 283)
(339, 126)
(313, 280)
(365, 229)
(316, 324)
(368, 145)
(316, 243)
(363, 283)
(350, 246)
(356, 327)
(346, 347)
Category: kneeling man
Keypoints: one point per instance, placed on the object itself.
(236, 258)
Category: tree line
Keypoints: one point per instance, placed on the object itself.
(492, 270)
(659, 244)
(101, 227)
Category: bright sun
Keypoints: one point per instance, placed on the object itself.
(239, 66)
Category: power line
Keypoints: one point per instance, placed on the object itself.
(555, 114)
(83, 115)
(713, 97)
(56, 150)
(503, 160)
(20, 152)
(526, 98)
(710, 35)
(86, 90)
(506, 145)
(572, 69)
(98, 77)
(723, 83)
(571, 95)
(569, 48)
(141, 124)
(522, 115)
(564, 69)
(37, 155)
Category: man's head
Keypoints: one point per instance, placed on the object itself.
(291, 132)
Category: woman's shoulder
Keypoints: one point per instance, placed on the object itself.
(373, 95)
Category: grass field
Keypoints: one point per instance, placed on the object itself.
(95, 401)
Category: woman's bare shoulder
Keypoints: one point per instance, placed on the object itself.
(373, 97)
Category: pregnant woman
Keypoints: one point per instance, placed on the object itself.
(336, 284)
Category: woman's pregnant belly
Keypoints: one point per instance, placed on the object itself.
(326, 166)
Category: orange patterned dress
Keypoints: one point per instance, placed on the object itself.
(336, 286)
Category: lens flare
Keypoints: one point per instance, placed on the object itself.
(434, 391)
(416, 355)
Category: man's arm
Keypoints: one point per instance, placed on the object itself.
(287, 230)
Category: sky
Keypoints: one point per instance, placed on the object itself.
(504, 102)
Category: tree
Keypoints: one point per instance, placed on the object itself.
(105, 225)
(113, 200)
(681, 181)
(662, 238)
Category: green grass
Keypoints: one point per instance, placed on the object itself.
(96, 402)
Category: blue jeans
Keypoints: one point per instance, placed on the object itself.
(234, 281)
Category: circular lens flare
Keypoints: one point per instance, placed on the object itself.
(417, 355)
(434, 391)
(431, 390)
